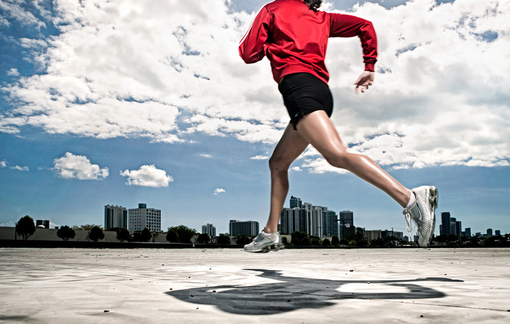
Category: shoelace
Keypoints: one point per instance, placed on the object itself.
(407, 216)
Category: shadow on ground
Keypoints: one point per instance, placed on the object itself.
(293, 293)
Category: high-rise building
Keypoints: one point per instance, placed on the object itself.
(115, 217)
(209, 229)
(373, 235)
(142, 217)
(450, 225)
(293, 220)
(346, 224)
(387, 233)
(329, 222)
(304, 217)
(489, 232)
(445, 223)
(467, 232)
(497, 232)
(295, 202)
(248, 228)
(316, 222)
(40, 222)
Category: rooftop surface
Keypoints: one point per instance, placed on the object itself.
(231, 286)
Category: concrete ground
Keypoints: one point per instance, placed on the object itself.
(230, 286)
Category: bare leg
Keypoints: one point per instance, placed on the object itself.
(317, 129)
(290, 146)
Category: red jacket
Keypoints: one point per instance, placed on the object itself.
(294, 38)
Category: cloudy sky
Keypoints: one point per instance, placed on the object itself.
(126, 101)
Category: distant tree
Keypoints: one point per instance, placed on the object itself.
(440, 238)
(305, 241)
(155, 234)
(334, 240)
(86, 227)
(242, 239)
(451, 238)
(66, 233)
(285, 241)
(326, 242)
(146, 235)
(315, 241)
(171, 236)
(25, 227)
(123, 235)
(96, 233)
(184, 233)
(299, 237)
(224, 239)
(204, 238)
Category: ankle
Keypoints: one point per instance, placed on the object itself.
(267, 230)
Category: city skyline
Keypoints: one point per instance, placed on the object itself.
(118, 103)
(118, 215)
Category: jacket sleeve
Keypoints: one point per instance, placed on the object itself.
(350, 26)
(251, 48)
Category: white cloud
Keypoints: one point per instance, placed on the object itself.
(320, 165)
(17, 11)
(72, 166)
(8, 224)
(166, 69)
(218, 191)
(13, 72)
(259, 157)
(296, 168)
(3, 164)
(17, 167)
(206, 155)
(147, 176)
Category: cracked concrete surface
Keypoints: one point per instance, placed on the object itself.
(229, 285)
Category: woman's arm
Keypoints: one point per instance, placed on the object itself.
(251, 48)
(350, 26)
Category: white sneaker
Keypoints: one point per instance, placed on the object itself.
(422, 214)
(265, 243)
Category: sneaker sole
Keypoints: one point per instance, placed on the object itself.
(266, 249)
(433, 195)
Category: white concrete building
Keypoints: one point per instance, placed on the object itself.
(142, 217)
(209, 229)
(115, 217)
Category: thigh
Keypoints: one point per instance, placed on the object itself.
(317, 129)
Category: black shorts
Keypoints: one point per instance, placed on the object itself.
(304, 93)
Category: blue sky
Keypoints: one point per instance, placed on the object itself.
(126, 102)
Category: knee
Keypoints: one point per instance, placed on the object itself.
(337, 159)
(276, 166)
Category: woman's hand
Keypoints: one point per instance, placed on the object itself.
(364, 81)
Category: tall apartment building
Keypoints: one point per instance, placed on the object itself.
(316, 222)
(209, 229)
(329, 223)
(445, 223)
(115, 216)
(304, 217)
(142, 217)
(295, 202)
(248, 228)
(293, 220)
(450, 225)
(346, 224)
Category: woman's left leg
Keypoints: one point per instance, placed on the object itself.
(290, 146)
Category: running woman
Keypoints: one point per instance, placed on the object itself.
(293, 35)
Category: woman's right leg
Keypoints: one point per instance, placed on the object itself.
(317, 129)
